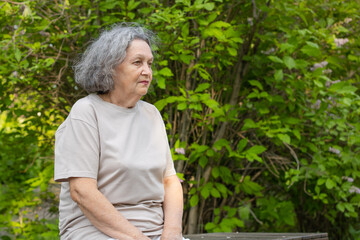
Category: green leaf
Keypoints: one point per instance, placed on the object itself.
(205, 192)
(215, 193)
(232, 51)
(249, 123)
(340, 206)
(256, 84)
(194, 200)
(275, 59)
(343, 88)
(131, 15)
(185, 30)
(347, 101)
(192, 191)
(210, 153)
(133, 4)
(204, 74)
(177, 144)
(279, 76)
(210, 226)
(180, 176)
(330, 184)
(335, 61)
(238, 222)
(202, 87)
(289, 62)
(251, 187)
(244, 212)
(214, 32)
(160, 104)
(209, 6)
(297, 134)
(182, 106)
(341, 29)
(199, 148)
(173, 99)
(17, 54)
(225, 173)
(349, 207)
(196, 106)
(221, 187)
(284, 138)
(49, 61)
(292, 120)
(211, 103)
(105, 5)
(220, 24)
(166, 72)
(237, 39)
(220, 144)
(252, 156)
(215, 172)
(161, 82)
(318, 83)
(257, 149)
(287, 46)
(354, 58)
(186, 58)
(311, 51)
(203, 161)
(313, 45)
(241, 145)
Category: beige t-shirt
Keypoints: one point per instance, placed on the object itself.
(126, 151)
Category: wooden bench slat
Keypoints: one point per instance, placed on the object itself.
(258, 236)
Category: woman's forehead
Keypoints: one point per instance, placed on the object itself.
(139, 48)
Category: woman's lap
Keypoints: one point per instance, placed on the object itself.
(154, 238)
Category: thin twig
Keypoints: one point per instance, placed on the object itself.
(17, 3)
(254, 216)
(254, 9)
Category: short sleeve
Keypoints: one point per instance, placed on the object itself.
(170, 169)
(76, 150)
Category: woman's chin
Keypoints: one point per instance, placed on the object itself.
(143, 91)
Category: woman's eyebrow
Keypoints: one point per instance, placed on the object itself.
(141, 56)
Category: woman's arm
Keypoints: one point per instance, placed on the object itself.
(173, 209)
(101, 213)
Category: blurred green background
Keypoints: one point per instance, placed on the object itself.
(260, 100)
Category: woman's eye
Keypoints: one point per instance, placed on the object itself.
(137, 62)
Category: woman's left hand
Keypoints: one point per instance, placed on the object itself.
(173, 209)
(171, 235)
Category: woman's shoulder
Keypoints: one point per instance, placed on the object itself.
(83, 110)
(149, 107)
(83, 103)
(83, 107)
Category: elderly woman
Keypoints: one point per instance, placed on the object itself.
(111, 153)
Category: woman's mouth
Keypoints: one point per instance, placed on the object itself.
(145, 82)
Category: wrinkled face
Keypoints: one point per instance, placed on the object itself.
(133, 76)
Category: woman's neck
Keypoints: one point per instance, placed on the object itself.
(120, 100)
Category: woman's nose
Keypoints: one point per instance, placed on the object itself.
(146, 70)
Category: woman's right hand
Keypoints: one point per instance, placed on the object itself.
(100, 212)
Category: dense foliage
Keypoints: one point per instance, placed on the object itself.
(260, 99)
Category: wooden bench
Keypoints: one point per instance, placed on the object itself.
(258, 236)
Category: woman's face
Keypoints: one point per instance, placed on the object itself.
(133, 76)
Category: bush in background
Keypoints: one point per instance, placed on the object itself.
(260, 99)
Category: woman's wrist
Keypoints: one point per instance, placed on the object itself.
(171, 233)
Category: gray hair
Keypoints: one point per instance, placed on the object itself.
(95, 69)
